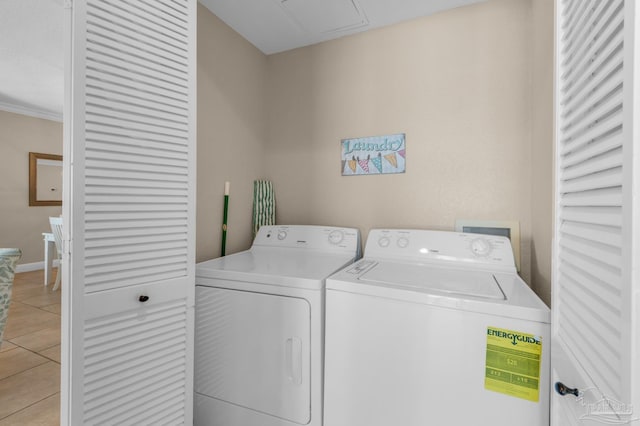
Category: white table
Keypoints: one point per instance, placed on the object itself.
(49, 250)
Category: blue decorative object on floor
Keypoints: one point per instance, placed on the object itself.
(8, 259)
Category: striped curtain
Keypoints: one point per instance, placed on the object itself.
(264, 204)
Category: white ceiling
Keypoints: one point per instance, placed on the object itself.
(31, 57)
(31, 37)
(278, 25)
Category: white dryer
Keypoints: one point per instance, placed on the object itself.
(259, 327)
(435, 328)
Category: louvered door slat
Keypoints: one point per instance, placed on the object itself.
(140, 67)
(105, 182)
(126, 13)
(140, 105)
(605, 77)
(163, 13)
(608, 276)
(131, 122)
(132, 231)
(577, 42)
(609, 255)
(137, 98)
(604, 234)
(573, 13)
(606, 161)
(600, 93)
(157, 216)
(607, 216)
(590, 290)
(133, 119)
(125, 134)
(135, 164)
(137, 55)
(606, 179)
(601, 106)
(137, 87)
(144, 113)
(595, 34)
(128, 36)
(112, 176)
(606, 142)
(602, 335)
(110, 190)
(597, 129)
(595, 198)
(591, 355)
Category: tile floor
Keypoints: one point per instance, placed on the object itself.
(30, 354)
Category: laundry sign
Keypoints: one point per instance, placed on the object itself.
(374, 155)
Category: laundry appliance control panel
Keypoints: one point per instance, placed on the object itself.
(440, 247)
(308, 236)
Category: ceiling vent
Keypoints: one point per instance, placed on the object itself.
(325, 16)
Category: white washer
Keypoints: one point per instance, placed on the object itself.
(259, 327)
(435, 328)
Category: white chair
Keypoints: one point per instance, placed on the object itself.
(56, 230)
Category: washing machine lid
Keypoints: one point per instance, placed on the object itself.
(276, 266)
(483, 291)
(414, 277)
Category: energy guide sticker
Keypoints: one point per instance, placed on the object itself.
(513, 363)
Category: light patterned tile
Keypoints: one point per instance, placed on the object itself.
(17, 360)
(24, 389)
(39, 340)
(42, 413)
(6, 345)
(43, 299)
(29, 381)
(32, 276)
(24, 319)
(20, 293)
(52, 353)
(55, 308)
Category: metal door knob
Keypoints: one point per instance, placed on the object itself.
(563, 390)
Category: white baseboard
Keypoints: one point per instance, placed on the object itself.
(35, 266)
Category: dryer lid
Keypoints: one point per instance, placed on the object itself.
(276, 266)
(422, 278)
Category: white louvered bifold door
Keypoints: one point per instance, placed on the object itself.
(594, 291)
(129, 210)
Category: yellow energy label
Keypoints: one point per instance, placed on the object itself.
(512, 365)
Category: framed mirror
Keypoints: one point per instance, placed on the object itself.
(45, 179)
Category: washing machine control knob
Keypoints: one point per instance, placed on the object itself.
(384, 242)
(481, 247)
(402, 242)
(336, 236)
(282, 235)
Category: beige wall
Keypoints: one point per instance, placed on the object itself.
(459, 84)
(20, 225)
(231, 133)
(471, 88)
(542, 147)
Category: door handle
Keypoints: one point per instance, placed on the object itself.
(563, 390)
(293, 354)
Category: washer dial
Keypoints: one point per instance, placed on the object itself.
(282, 235)
(336, 236)
(481, 247)
(384, 242)
(403, 242)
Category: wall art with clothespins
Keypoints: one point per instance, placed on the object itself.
(374, 155)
